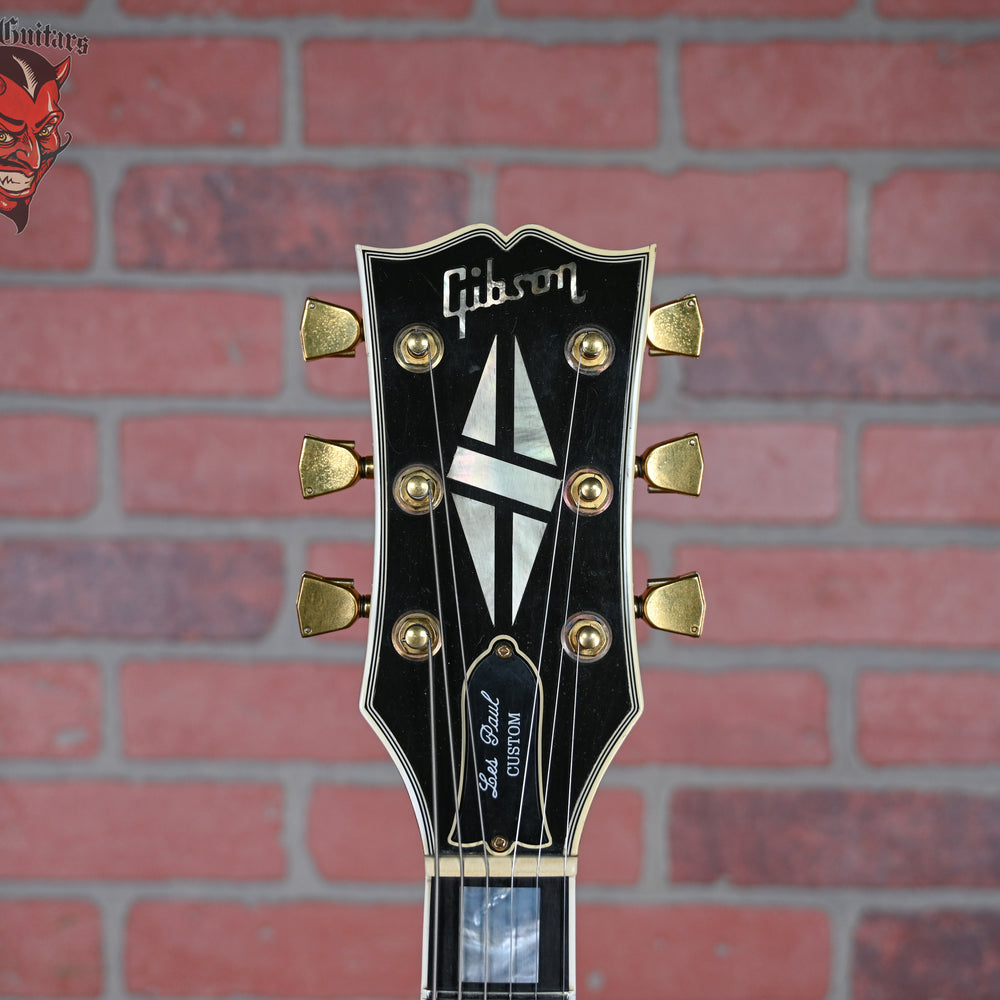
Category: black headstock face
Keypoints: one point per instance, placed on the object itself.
(501, 670)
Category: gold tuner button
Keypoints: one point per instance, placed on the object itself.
(328, 466)
(588, 492)
(325, 604)
(590, 350)
(416, 635)
(416, 488)
(675, 328)
(328, 331)
(586, 636)
(675, 604)
(418, 347)
(674, 466)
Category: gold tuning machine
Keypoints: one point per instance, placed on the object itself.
(328, 331)
(674, 466)
(326, 604)
(676, 328)
(675, 604)
(328, 466)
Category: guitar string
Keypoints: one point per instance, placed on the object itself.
(569, 791)
(451, 755)
(434, 753)
(436, 910)
(468, 709)
(572, 729)
(535, 720)
(451, 741)
(541, 651)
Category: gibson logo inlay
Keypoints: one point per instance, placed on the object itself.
(466, 290)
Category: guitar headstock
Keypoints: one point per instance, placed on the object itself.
(502, 672)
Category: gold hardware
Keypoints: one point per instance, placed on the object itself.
(504, 651)
(589, 350)
(674, 466)
(676, 328)
(418, 347)
(499, 844)
(416, 488)
(328, 331)
(415, 634)
(674, 604)
(586, 636)
(588, 490)
(328, 466)
(326, 604)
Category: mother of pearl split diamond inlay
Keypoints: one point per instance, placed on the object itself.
(488, 473)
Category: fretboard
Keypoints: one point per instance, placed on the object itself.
(497, 938)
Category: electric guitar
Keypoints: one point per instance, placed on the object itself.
(501, 672)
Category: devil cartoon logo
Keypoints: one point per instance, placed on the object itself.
(29, 126)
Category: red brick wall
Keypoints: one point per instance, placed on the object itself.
(191, 805)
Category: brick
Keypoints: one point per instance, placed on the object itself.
(50, 708)
(822, 837)
(181, 91)
(361, 834)
(353, 560)
(594, 95)
(955, 480)
(702, 952)
(738, 718)
(300, 949)
(939, 8)
(819, 95)
(291, 8)
(59, 235)
(50, 948)
(139, 588)
(34, 447)
(197, 464)
(341, 378)
(230, 711)
(120, 830)
(709, 221)
(370, 834)
(946, 954)
(794, 470)
(214, 217)
(936, 222)
(853, 348)
(884, 596)
(44, 6)
(929, 718)
(611, 848)
(140, 342)
(678, 8)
